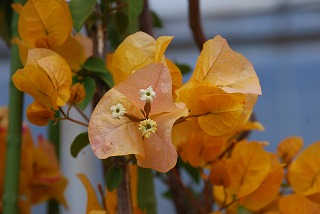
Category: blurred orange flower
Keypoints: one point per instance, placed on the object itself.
(40, 177)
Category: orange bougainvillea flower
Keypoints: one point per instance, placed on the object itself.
(136, 117)
(289, 148)
(47, 78)
(292, 204)
(222, 90)
(110, 198)
(304, 171)
(40, 177)
(78, 93)
(201, 149)
(139, 50)
(248, 167)
(253, 177)
(197, 147)
(46, 181)
(48, 24)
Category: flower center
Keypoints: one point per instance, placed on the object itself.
(147, 95)
(117, 111)
(147, 127)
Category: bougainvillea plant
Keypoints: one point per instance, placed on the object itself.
(146, 122)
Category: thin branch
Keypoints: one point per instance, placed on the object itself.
(124, 189)
(82, 113)
(208, 195)
(145, 19)
(66, 117)
(102, 196)
(195, 23)
(187, 191)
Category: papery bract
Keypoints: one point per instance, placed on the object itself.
(222, 90)
(39, 115)
(92, 199)
(304, 171)
(222, 67)
(289, 148)
(47, 78)
(44, 24)
(198, 148)
(292, 204)
(139, 50)
(248, 167)
(43, 20)
(219, 174)
(112, 137)
(268, 190)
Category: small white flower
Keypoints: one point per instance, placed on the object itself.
(147, 95)
(117, 111)
(147, 127)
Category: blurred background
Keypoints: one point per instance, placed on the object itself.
(280, 37)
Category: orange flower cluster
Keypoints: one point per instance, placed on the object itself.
(48, 24)
(40, 177)
(49, 52)
(215, 102)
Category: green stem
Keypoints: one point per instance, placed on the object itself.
(54, 138)
(12, 170)
(146, 196)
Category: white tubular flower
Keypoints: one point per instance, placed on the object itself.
(147, 95)
(147, 127)
(117, 111)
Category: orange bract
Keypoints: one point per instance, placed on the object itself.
(40, 177)
(292, 204)
(222, 90)
(92, 199)
(47, 21)
(304, 171)
(268, 190)
(112, 137)
(47, 78)
(248, 167)
(219, 65)
(137, 51)
(48, 24)
(289, 148)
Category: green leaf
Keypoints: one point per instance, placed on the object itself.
(80, 11)
(157, 22)
(146, 194)
(81, 141)
(106, 78)
(243, 210)
(113, 177)
(184, 68)
(135, 8)
(167, 194)
(90, 87)
(96, 65)
(120, 21)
